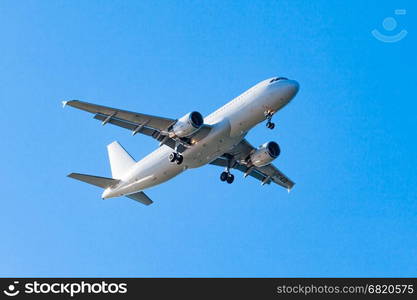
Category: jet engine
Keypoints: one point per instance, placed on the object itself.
(188, 124)
(265, 154)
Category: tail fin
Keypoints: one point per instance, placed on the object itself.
(120, 160)
(102, 182)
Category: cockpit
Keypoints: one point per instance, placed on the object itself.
(278, 79)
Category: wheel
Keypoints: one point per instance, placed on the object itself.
(230, 178)
(223, 176)
(180, 158)
(172, 157)
(270, 125)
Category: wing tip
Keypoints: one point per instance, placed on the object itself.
(290, 187)
(68, 102)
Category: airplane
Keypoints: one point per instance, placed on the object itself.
(193, 141)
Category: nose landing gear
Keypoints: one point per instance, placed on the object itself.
(270, 125)
(268, 115)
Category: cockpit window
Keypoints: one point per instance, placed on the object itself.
(277, 79)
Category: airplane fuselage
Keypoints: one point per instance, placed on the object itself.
(229, 125)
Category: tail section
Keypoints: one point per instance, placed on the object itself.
(140, 197)
(120, 160)
(102, 182)
(120, 163)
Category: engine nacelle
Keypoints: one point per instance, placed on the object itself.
(188, 124)
(265, 154)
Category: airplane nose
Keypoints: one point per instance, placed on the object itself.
(293, 87)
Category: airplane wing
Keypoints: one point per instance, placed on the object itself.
(265, 174)
(153, 126)
(103, 112)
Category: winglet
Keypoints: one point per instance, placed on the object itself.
(64, 103)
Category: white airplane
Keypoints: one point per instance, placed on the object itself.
(193, 141)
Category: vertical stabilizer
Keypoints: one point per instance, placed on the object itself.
(120, 160)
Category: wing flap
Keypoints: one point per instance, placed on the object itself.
(222, 162)
(143, 129)
(277, 176)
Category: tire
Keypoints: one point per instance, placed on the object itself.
(180, 158)
(223, 176)
(230, 178)
(172, 157)
(271, 125)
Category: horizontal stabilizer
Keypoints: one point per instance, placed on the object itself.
(102, 182)
(140, 197)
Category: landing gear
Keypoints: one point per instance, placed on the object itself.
(172, 157)
(230, 178)
(223, 176)
(268, 116)
(227, 176)
(176, 157)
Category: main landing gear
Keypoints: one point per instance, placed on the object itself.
(176, 157)
(227, 176)
(268, 116)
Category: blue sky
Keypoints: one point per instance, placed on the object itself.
(348, 139)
